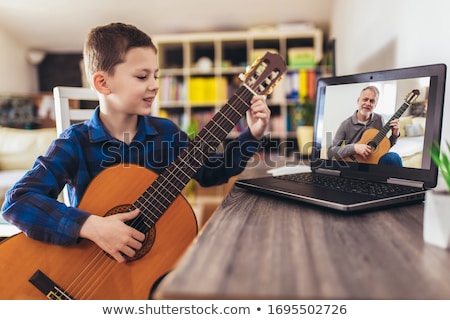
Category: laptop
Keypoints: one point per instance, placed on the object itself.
(414, 95)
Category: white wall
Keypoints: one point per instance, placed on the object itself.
(16, 75)
(386, 34)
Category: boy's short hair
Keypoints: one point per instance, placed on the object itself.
(106, 46)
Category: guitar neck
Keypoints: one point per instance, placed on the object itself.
(383, 132)
(163, 191)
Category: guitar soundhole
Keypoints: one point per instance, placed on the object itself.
(373, 145)
(150, 236)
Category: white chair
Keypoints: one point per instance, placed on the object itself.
(65, 116)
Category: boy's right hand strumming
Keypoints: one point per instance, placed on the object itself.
(112, 235)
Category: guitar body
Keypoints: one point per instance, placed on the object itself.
(380, 150)
(84, 271)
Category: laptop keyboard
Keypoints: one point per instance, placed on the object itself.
(370, 188)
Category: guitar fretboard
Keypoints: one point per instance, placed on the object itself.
(163, 191)
(383, 132)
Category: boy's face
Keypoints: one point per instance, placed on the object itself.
(134, 84)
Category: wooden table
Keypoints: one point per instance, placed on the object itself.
(259, 247)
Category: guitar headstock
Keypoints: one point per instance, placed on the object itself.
(412, 96)
(264, 74)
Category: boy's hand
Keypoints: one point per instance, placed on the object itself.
(112, 235)
(258, 116)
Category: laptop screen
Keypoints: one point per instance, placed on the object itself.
(413, 95)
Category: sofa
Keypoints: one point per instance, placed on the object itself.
(410, 145)
(18, 150)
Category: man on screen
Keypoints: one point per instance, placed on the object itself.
(347, 143)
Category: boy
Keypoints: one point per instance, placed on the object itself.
(121, 65)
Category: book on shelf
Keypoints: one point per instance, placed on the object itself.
(302, 57)
(300, 93)
(207, 89)
(172, 89)
(300, 84)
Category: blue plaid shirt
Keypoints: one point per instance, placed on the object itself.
(85, 149)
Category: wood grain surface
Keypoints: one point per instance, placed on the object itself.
(260, 247)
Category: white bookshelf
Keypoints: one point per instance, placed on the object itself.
(229, 53)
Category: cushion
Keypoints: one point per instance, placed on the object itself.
(421, 121)
(402, 121)
(413, 130)
(19, 147)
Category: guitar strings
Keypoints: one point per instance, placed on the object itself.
(167, 181)
(171, 182)
(82, 280)
(382, 133)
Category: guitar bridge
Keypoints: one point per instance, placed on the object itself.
(49, 288)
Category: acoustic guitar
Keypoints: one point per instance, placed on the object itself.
(31, 269)
(376, 139)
